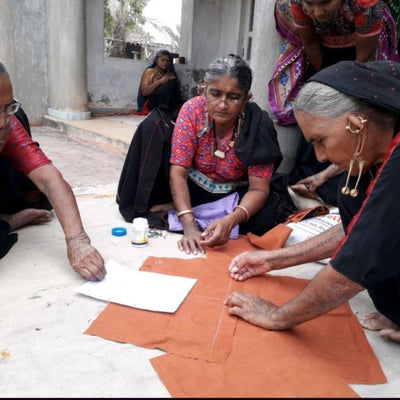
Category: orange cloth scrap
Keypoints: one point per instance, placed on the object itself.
(213, 354)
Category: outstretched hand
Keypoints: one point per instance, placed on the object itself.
(252, 309)
(85, 259)
(190, 242)
(248, 264)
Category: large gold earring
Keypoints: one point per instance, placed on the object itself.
(345, 188)
(357, 130)
(356, 157)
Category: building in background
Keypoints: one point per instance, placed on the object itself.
(55, 53)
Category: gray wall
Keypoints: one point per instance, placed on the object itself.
(113, 82)
(209, 29)
(23, 52)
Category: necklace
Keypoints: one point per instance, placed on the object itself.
(220, 153)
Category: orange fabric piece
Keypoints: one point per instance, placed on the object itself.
(265, 370)
(275, 238)
(200, 328)
(213, 354)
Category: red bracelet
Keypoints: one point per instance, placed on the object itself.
(244, 209)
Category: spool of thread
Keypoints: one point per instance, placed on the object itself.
(140, 231)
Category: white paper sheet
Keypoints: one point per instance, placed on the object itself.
(139, 289)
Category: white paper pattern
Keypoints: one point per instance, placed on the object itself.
(139, 289)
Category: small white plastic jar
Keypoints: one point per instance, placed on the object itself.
(140, 231)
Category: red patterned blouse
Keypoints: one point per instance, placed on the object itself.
(22, 152)
(192, 149)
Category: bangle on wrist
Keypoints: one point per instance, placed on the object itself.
(180, 213)
(244, 209)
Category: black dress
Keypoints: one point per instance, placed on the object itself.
(370, 252)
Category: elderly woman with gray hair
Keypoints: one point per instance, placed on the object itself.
(221, 155)
(350, 112)
(224, 143)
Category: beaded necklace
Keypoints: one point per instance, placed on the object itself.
(214, 145)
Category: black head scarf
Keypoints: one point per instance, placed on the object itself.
(257, 142)
(375, 82)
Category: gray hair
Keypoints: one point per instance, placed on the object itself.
(327, 102)
(233, 66)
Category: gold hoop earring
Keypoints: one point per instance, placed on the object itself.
(357, 130)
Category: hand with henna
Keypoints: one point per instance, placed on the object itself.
(248, 264)
(84, 258)
(252, 309)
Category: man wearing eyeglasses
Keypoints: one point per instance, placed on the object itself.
(25, 155)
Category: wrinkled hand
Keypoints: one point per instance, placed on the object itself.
(307, 187)
(190, 242)
(252, 309)
(248, 264)
(85, 259)
(217, 233)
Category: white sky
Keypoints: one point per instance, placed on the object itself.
(168, 12)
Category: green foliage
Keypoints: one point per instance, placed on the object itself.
(122, 17)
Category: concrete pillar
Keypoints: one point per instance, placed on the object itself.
(66, 35)
(266, 48)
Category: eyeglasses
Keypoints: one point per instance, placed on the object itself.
(11, 108)
(217, 96)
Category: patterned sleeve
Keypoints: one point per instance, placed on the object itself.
(368, 16)
(184, 138)
(264, 171)
(22, 152)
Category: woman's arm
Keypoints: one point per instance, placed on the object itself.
(253, 263)
(84, 258)
(307, 187)
(190, 243)
(311, 44)
(328, 290)
(147, 86)
(366, 48)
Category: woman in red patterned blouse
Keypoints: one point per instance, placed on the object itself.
(319, 33)
(223, 143)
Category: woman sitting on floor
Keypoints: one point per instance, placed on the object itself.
(221, 144)
(159, 85)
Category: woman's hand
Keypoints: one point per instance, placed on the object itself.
(248, 264)
(217, 233)
(252, 309)
(307, 187)
(191, 240)
(85, 259)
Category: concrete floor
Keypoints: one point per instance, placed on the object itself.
(42, 319)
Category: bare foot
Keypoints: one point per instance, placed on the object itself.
(376, 321)
(29, 216)
(392, 334)
(163, 208)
